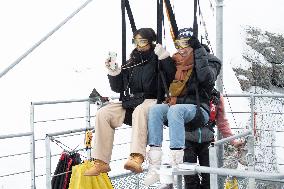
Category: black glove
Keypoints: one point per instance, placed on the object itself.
(194, 43)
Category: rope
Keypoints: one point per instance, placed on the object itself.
(225, 92)
(58, 143)
(202, 22)
(212, 7)
(44, 38)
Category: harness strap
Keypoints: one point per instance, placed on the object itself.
(159, 21)
(195, 25)
(125, 5)
(171, 17)
(159, 40)
(130, 16)
(123, 32)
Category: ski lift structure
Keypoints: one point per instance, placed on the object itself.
(127, 179)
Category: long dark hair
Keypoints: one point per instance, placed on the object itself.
(146, 33)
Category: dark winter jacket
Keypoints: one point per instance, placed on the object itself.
(141, 74)
(205, 134)
(207, 68)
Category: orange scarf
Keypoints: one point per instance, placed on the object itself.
(183, 65)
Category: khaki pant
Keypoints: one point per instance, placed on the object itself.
(112, 116)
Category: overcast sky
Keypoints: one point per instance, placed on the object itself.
(70, 63)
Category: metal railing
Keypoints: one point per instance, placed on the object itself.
(31, 152)
(214, 170)
(47, 141)
(251, 174)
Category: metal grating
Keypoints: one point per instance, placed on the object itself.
(132, 181)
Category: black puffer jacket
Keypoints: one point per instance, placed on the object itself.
(143, 77)
(207, 68)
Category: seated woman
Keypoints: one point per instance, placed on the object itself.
(198, 71)
(138, 76)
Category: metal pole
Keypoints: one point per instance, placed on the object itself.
(233, 172)
(43, 39)
(179, 181)
(239, 173)
(213, 160)
(32, 146)
(219, 54)
(88, 114)
(16, 135)
(48, 162)
(60, 101)
(219, 40)
(228, 139)
(250, 144)
(88, 125)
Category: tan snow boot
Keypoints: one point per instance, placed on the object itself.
(134, 163)
(98, 167)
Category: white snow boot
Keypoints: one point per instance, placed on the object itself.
(166, 179)
(154, 157)
(176, 157)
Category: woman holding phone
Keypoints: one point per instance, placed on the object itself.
(137, 78)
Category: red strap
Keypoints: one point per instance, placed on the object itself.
(67, 174)
(213, 111)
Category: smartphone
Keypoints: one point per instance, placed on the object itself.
(112, 60)
(112, 56)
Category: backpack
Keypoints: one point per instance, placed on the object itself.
(205, 132)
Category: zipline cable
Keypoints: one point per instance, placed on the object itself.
(44, 38)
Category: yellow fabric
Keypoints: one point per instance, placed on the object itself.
(231, 183)
(88, 139)
(79, 181)
(177, 86)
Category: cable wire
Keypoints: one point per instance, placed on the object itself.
(44, 38)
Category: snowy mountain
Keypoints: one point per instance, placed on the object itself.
(260, 71)
(263, 60)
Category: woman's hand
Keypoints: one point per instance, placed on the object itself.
(161, 52)
(112, 67)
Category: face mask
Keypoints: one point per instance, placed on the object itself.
(182, 43)
(139, 42)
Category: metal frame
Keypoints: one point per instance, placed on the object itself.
(214, 170)
(48, 151)
(32, 152)
(214, 153)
